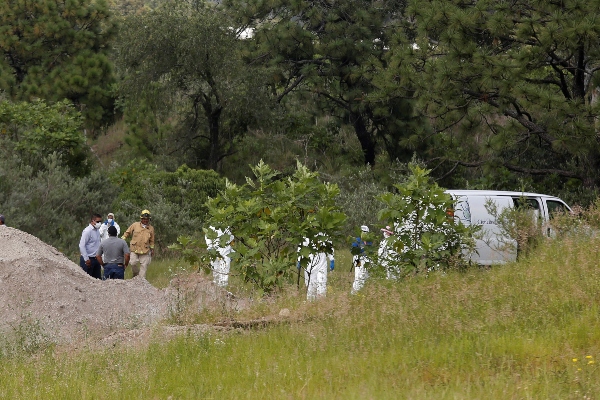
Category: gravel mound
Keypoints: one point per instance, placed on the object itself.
(41, 287)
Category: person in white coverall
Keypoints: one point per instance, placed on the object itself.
(385, 254)
(222, 262)
(319, 261)
(110, 221)
(360, 261)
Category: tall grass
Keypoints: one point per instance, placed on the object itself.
(526, 330)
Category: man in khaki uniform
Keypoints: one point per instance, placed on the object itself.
(141, 244)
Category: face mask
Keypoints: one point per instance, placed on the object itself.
(110, 220)
(97, 225)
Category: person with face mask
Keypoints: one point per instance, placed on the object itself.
(141, 244)
(88, 247)
(110, 221)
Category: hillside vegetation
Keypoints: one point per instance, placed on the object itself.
(525, 330)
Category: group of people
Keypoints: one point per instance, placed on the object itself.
(100, 247)
(316, 264)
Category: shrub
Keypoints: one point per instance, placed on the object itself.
(177, 200)
(270, 216)
(425, 236)
(50, 203)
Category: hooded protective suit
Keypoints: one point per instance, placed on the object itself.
(360, 262)
(222, 262)
(385, 254)
(319, 261)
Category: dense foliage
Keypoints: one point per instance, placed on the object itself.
(184, 80)
(426, 234)
(37, 129)
(270, 216)
(49, 202)
(512, 87)
(58, 50)
(331, 54)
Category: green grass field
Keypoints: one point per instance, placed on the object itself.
(521, 331)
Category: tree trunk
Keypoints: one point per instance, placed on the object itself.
(364, 137)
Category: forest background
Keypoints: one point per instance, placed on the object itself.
(128, 105)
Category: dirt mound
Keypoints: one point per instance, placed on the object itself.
(39, 285)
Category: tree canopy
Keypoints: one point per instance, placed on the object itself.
(58, 50)
(512, 85)
(182, 66)
(332, 52)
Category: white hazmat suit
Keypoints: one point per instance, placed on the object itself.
(386, 254)
(319, 261)
(360, 261)
(222, 262)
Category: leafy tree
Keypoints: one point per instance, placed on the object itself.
(38, 129)
(270, 216)
(512, 86)
(425, 234)
(57, 50)
(185, 81)
(331, 53)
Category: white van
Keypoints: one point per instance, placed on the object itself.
(493, 247)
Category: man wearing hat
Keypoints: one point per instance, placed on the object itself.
(110, 221)
(113, 255)
(142, 244)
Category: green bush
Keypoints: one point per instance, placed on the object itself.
(425, 236)
(270, 216)
(38, 129)
(50, 203)
(177, 200)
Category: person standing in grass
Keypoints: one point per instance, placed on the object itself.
(319, 261)
(88, 247)
(385, 254)
(114, 255)
(360, 260)
(141, 244)
(220, 263)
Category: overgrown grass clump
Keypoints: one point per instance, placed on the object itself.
(526, 330)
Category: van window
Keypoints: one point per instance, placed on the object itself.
(555, 207)
(531, 204)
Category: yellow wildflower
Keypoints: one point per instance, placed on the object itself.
(574, 360)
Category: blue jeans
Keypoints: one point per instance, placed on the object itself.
(94, 270)
(114, 271)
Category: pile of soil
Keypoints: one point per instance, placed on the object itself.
(40, 286)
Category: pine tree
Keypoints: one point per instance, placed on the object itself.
(332, 52)
(512, 85)
(57, 50)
